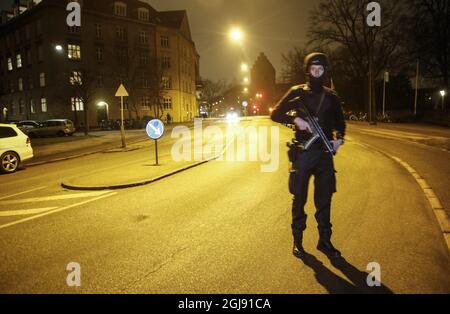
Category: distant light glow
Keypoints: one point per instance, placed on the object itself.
(236, 35)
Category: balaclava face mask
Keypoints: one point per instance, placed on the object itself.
(316, 79)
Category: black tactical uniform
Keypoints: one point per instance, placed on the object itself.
(324, 104)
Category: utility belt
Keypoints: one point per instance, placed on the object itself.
(296, 147)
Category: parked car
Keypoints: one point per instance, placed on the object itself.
(15, 147)
(26, 126)
(56, 127)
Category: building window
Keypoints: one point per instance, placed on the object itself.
(146, 102)
(21, 106)
(98, 31)
(28, 53)
(165, 42)
(19, 61)
(143, 14)
(30, 82)
(143, 37)
(38, 27)
(43, 104)
(17, 37)
(32, 106)
(122, 56)
(120, 9)
(120, 32)
(75, 78)
(167, 103)
(27, 32)
(74, 52)
(10, 64)
(145, 82)
(167, 82)
(42, 79)
(165, 63)
(144, 59)
(99, 54)
(40, 53)
(100, 81)
(20, 85)
(77, 104)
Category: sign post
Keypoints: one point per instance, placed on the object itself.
(385, 80)
(122, 92)
(155, 130)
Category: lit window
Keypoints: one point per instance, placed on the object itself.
(146, 101)
(19, 61)
(74, 52)
(167, 103)
(167, 82)
(120, 9)
(43, 104)
(20, 84)
(75, 78)
(77, 104)
(10, 64)
(42, 80)
(32, 106)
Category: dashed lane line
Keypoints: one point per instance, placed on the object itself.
(24, 192)
(53, 198)
(24, 212)
(55, 211)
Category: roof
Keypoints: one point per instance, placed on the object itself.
(172, 18)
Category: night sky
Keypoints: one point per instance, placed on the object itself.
(271, 26)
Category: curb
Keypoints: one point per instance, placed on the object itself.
(435, 204)
(70, 186)
(78, 156)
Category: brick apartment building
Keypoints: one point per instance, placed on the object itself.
(49, 70)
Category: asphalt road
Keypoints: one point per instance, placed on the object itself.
(224, 227)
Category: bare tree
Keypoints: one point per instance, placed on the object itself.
(430, 38)
(342, 24)
(213, 91)
(293, 72)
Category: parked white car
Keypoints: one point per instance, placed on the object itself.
(15, 147)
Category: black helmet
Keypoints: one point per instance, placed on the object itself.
(316, 58)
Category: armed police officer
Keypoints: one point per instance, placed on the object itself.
(313, 159)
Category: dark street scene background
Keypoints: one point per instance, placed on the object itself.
(139, 154)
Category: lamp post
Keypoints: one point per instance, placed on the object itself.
(443, 93)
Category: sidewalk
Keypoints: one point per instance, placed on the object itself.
(47, 150)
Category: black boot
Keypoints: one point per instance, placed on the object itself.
(298, 249)
(326, 247)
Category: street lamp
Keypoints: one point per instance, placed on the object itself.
(236, 35)
(244, 67)
(59, 48)
(246, 80)
(443, 93)
(103, 104)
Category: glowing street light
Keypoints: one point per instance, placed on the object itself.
(246, 90)
(244, 67)
(443, 93)
(236, 35)
(59, 48)
(246, 80)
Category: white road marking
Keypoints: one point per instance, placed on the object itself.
(404, 135)
(24, 192)
(54, 198)
(55, 211)
(24, 212)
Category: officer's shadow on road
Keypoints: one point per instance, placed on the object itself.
(335, 284)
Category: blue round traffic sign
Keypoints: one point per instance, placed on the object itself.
(155, 129)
